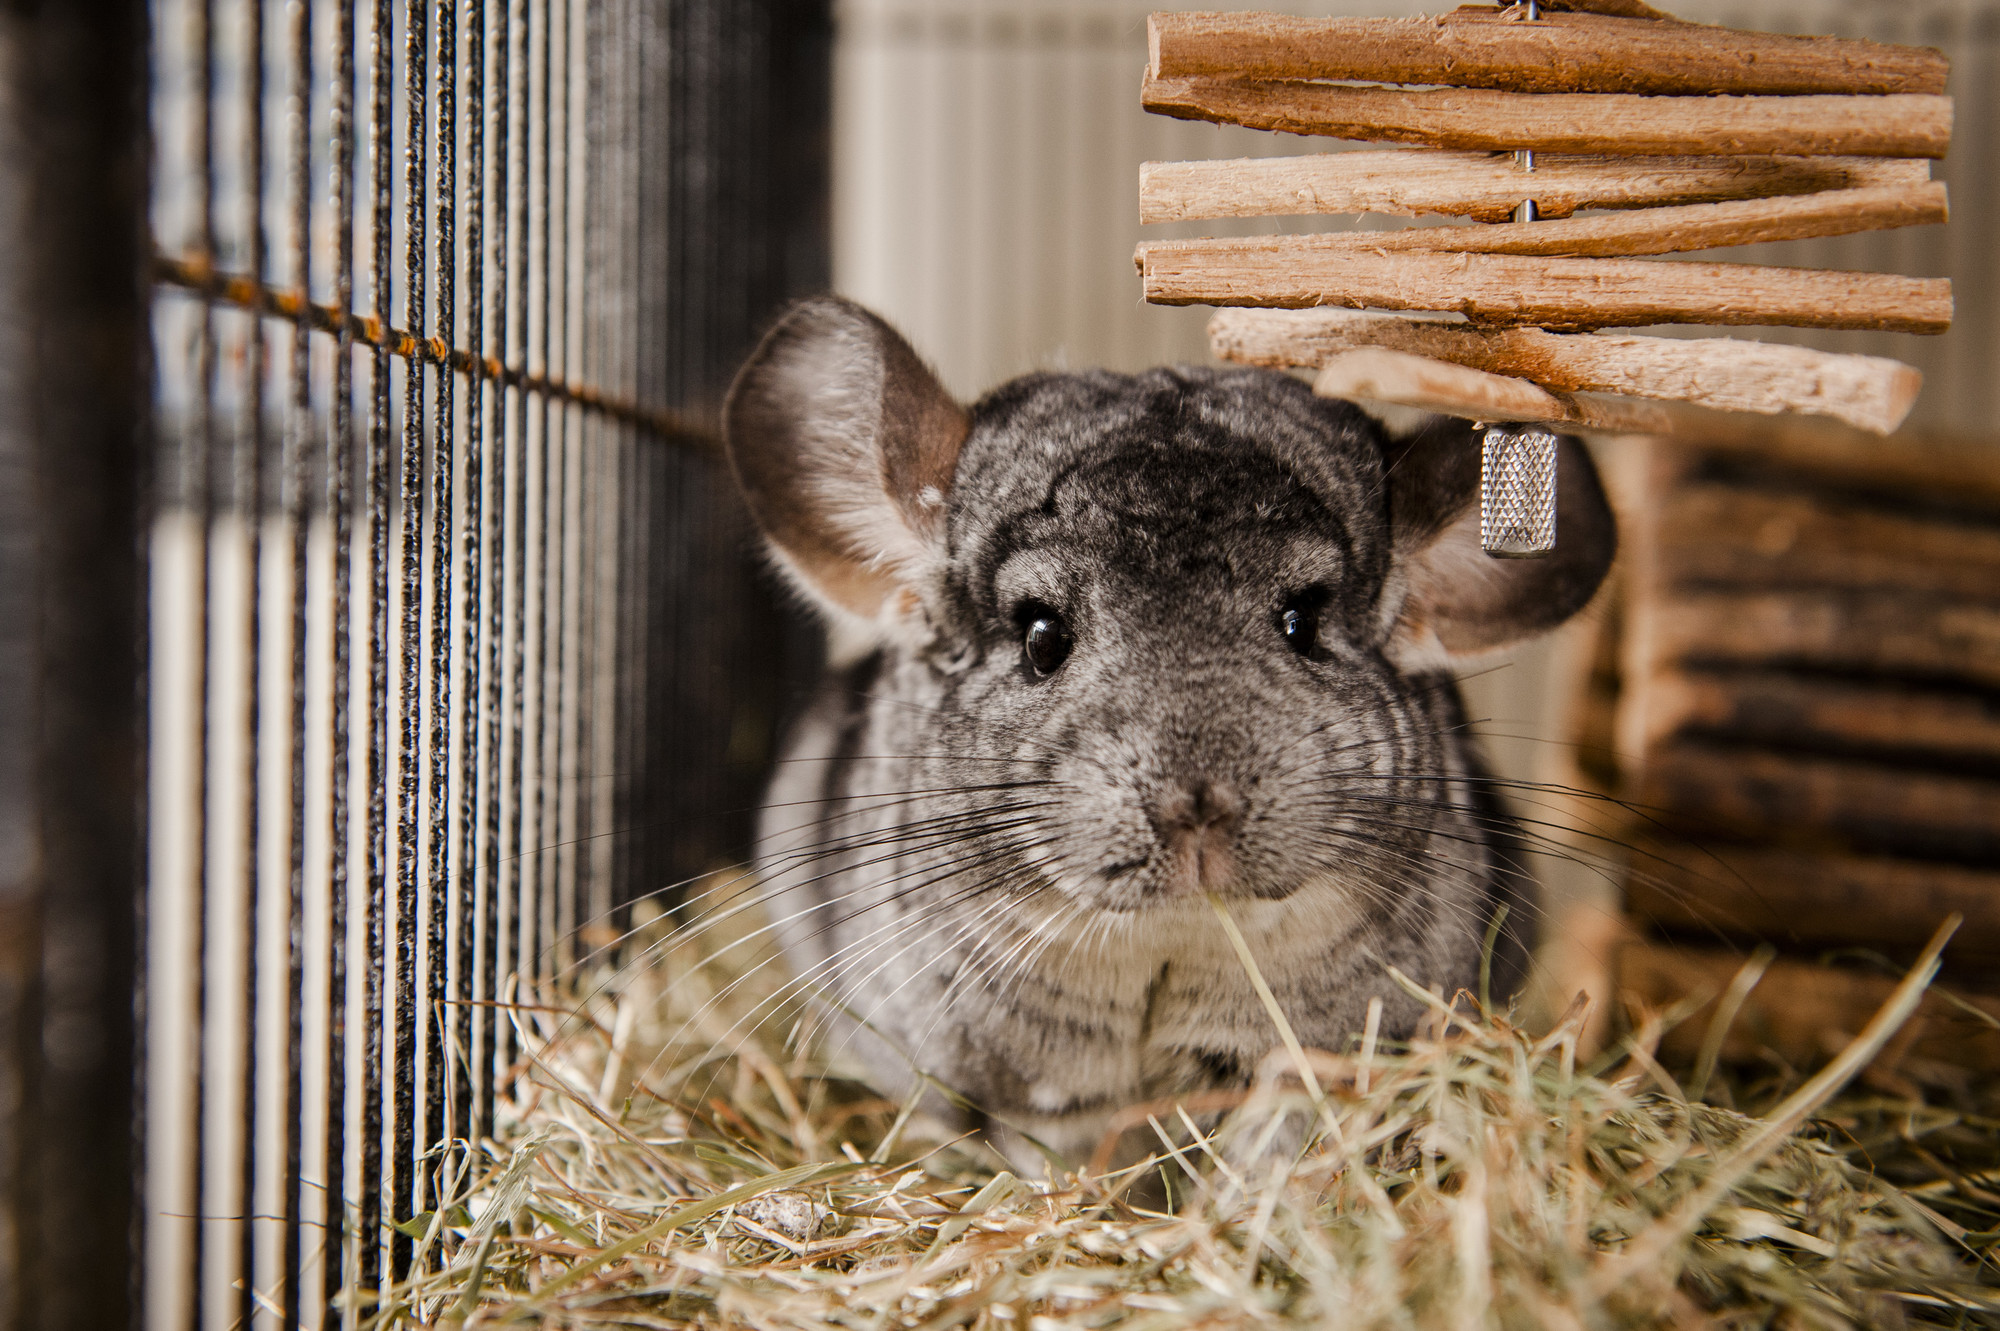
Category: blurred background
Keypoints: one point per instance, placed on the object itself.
(985, 201)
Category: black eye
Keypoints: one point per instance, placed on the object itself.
(1299, 623)
(1045, 639)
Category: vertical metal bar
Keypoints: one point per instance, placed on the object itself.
(607, 268)
(339, 502)
(631, 562)
(589, 431)
(493, 925)
(555, 940)
(1524, 211)
(522, 826)
(376, 1188)
(623, 570)
(466, 884)
(408, 1131)
(539, 842)
(554, 665)
(654, 538)
(298, 440)
(251, 496)
(204, 500)
(681, 301)
(1517, 473)
(629, 566)
(75, 454)
(440, 897)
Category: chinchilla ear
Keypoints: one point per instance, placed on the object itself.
(844, 444)
(1456, 595)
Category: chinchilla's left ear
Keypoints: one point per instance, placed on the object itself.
(1456, 595)
(845, 446)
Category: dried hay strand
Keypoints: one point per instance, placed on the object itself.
(666, 1164)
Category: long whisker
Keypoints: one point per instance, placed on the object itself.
(903, 836)
(825, 976)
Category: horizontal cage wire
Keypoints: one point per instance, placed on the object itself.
(450, 604)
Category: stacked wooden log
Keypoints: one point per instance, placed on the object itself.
(1673, 137)
(1809, 710)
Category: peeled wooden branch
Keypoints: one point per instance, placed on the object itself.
(1700, 226)
(1553, 293)
(1724, 373)
(1889, 633)
(1400, 379)
(1797, 711)
(1898, 125)
(1486, 187)
(1725, 535)
(1434, 385)
(1472, 48)
(1955, 469)
(1812, 899)
(1860, 804)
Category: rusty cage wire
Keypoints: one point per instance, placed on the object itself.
(448, 633)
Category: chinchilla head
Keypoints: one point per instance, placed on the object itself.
(1209, 616)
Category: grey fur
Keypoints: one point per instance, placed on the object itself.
(997, 877)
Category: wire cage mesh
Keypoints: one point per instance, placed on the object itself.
(457, 644)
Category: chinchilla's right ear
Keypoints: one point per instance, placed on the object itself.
(845, 444)
(1460, 599)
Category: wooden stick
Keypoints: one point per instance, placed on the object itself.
(1552, 293)
(1801, 1011)
(1804, 712)
(1409, 182)
(1861, 805)
(1952, 468)
(1897, 125)
(1399, 379)
(1699, 226)
(1812, 899)
(1725, 535)
(1488, 48)
(1728, 374)
(1880, 632)
(1381, 375)
(1610, 413)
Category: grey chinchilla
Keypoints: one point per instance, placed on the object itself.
(1104, 644)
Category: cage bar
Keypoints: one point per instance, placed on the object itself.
(448, 623)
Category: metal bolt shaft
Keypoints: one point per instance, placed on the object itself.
(1517, 465)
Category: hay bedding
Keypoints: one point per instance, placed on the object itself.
(684, 1152)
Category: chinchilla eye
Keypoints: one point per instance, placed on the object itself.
(1045, 639)
(1298, 622)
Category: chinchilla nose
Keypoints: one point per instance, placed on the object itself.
(1197, 807)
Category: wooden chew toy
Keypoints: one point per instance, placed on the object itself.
(1686, 136)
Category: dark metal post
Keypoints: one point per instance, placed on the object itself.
(73, 461)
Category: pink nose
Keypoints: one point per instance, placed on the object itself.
(1197, 825)
(1205, 807)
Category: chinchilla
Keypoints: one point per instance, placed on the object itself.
(1100, 646)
